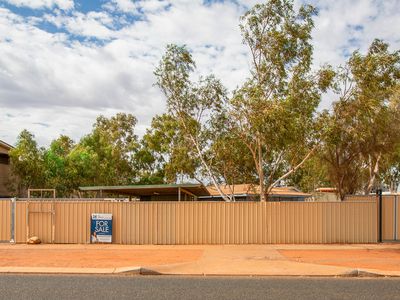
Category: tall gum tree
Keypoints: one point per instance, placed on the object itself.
(376, 76)
(274, 110)
(192, 104)
(362, 131)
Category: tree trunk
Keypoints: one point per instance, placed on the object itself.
(292, 170)
(208, 169)
(372, 175)
(261, 171)
(214, 181)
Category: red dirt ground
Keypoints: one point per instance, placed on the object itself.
(94, 258)
(383, 259)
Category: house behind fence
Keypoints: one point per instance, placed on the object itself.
(4, 169)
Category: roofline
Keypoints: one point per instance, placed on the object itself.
(139, 186)
(6, 145)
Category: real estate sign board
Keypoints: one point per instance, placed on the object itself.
(101, 228)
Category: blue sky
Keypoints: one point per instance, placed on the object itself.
(64, 62)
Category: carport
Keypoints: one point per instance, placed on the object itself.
(157, 192)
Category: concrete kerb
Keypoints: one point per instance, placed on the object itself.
(88, 271)
(128, 270)
(361, 273)
(351, 273)
(148, 271)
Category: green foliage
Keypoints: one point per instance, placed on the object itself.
(279, 41)
(103, 157)
(26, 164)
(112, 142)
(194, 106)
(164, 154)
(56, 165)
(363, 129)
(312, 175)
(274, 110)
(231, 160)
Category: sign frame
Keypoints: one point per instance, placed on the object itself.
(101, 228)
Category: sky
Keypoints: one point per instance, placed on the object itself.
(64, 62)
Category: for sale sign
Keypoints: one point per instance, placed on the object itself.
(101, 228)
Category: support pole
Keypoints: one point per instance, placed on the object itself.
(13, 210)
(53, 221)
(379, 195)
(179, 194)
(27, 220)
(395, 218)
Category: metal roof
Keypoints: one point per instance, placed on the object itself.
(253, 189)
(195, 189)
(150, 189)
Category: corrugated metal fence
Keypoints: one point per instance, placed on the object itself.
(390, 214)
(5, 220)
(170, 223)
(390, 218)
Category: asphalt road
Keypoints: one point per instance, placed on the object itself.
(162, 287)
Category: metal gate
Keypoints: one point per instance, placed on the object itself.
(390, 218)
(40, 220)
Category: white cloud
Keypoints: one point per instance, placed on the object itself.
(103, 62)
(92, 24)
(45, 122)
(35, 4)
(342, 27)
(127, 6)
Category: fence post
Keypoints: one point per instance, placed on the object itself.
(12, 227)
(395, 235)
(379, 194)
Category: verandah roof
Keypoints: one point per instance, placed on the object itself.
(194, 189)
(151, 189)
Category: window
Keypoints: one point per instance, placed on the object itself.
(4, 159)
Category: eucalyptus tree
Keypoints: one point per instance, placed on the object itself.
(363, 129)
(231, 161)
(112, 143)
(340, 152)
(274, 109)
(27, 167)
(56, 165)
(192, 104)
(376, 76)
(164, 155)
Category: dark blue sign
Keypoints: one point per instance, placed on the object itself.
(101, 228)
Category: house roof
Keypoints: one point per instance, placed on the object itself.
(326, 190)
(254, 189)
(5, 145)
(150, 189)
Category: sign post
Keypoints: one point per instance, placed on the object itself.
(101, 228)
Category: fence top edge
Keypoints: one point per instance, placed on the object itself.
(100, 200)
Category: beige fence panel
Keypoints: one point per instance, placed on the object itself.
(388, 218)
(72, 223)
(361, 198)
(390, 214)
(5, 220)
(171, 223)
(397, 217)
